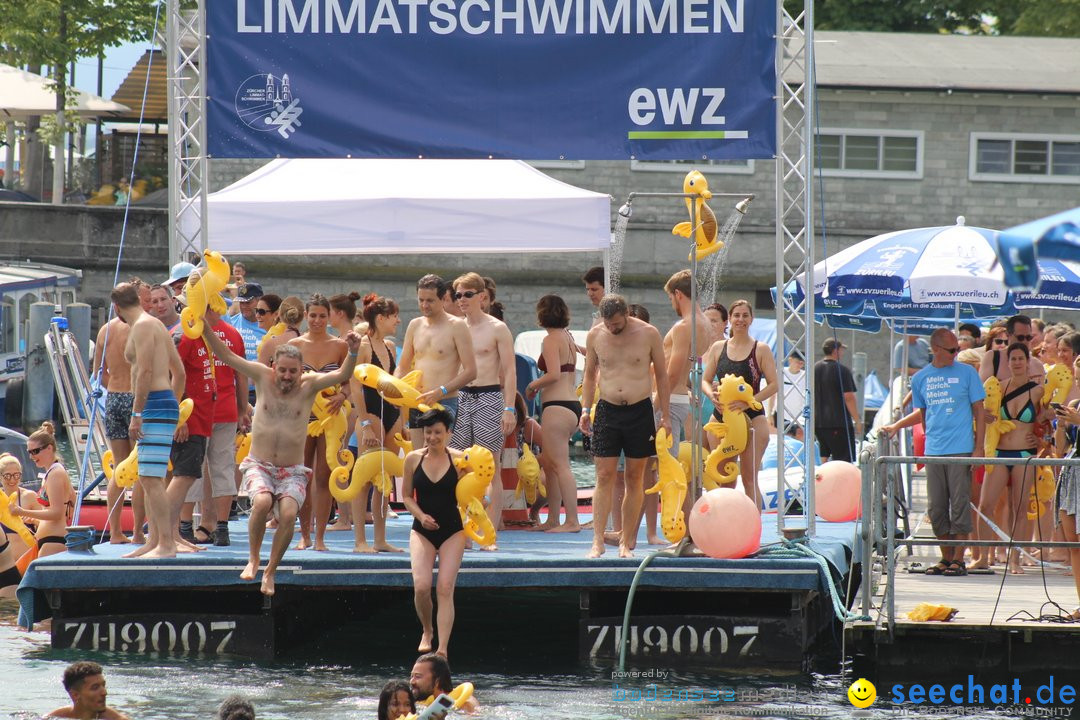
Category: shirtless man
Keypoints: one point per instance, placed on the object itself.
(486, 405)
(623, 354)
(440, 347)
(274, 474)
(153, 358)
(115, 377)
(85, 685)
(677, 356)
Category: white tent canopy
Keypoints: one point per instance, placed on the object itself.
(24, 94)
(360, 206)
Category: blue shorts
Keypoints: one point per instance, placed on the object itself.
(158, 423)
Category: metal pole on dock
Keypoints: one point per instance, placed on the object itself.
(39, 390)
(78, 317)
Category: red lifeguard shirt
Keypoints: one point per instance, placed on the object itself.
(225, 408)
(199, 385)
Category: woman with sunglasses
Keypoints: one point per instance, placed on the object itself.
(1020, 404)
(271, 310)
(11, 475)
(57, 497)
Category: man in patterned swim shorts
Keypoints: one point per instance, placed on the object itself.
(274, 474)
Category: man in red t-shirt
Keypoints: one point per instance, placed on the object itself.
(189, 441)
(218, 487)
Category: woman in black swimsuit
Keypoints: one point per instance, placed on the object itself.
(756, 363)
(57, 497)
(376, 420)
(561, 409)
(437, 529)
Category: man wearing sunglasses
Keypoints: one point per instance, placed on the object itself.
(947, 396)
(440, 347)
(993, 363)
(486, 405)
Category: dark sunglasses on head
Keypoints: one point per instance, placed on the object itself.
(261, 311)
(34, 451)
(467, 294)
(1024, 338)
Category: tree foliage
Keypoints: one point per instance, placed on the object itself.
(1057, 18)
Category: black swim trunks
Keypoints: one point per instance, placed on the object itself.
(118, 415)
(625, 429)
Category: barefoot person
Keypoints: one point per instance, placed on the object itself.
(440, 347)
(486, 405)
(153, 357)
(114, 373)
(561, 409)
(274, 475)
(322, 353)
(378, 420)
(85, 685)
(757, 364)
(622, 354)
(437, 531)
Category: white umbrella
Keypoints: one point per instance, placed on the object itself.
(24, 94)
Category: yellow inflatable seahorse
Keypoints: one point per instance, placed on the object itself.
(273, 332)
(480, 469)
(404, 443)
(528, 472)
(999, 426)
(1057, 384)
(375, 467)
(127, 472)
(671, 486)
(1042, 492)
(403, 392)
(243, 446)
(706, 230)
(733, 432)
(203, 288)
(14, 522)
(685, 450)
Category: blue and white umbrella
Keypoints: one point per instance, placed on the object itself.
(953, 264)
(1055, 236)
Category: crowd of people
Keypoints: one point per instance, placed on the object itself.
(85, 685)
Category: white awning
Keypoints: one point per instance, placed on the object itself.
(24, 94)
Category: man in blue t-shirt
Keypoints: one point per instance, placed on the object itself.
(948, 399)
(248, 326)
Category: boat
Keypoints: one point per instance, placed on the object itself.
(21, 285)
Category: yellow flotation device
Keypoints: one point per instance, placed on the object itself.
(479, 466)
(243, 446)
(706, 230)
(733, 432)
(203, 289)
(528, 472)
(671, 486)
(273, 332)
(460, 696)
(127, 472)
(998, 426)
(1042, 492)
(108, 466)
(14, 521)
(376, 467)
(928, 611)
(686, 449)
(1057, 384)
(403, 392)
(404, 443)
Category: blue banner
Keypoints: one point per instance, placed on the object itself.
(528, 79)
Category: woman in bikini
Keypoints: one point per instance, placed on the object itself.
(756, 364)
(269, 311)
(377, 420)
(1021, 400)
(437, 531)
(561, 409)
(12, 546)
(322, 353)
(57, 497)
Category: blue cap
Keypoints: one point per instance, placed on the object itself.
(180, 271)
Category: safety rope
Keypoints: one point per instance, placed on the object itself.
(800, 548)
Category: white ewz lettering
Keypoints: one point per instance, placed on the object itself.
(677, 106)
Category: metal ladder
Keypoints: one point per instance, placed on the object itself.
(73, 390)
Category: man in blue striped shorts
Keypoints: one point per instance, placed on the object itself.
(157, 377)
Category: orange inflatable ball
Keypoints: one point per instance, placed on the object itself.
(837, 487)
(725, 523)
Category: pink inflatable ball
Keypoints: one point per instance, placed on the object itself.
(837, 486)
(725, 523)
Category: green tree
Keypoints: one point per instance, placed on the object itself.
(1055, 18)
(1048, 18)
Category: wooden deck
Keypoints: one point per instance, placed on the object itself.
(997, 627)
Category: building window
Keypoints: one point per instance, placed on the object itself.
(722, 167)
(1001, 157)
(870, 153)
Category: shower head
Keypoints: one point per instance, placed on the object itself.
(743, 205)
(626, 210)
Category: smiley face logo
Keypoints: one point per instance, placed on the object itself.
(862, 693)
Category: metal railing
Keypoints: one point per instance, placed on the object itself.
(879, 516)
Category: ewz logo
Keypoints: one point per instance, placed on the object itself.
(681, 108)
